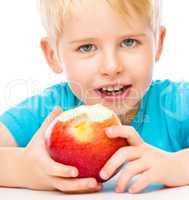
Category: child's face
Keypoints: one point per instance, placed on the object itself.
(99, 48)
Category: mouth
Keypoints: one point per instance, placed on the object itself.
(114, 92)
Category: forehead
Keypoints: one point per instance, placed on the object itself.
(97, 15)
(96, 8)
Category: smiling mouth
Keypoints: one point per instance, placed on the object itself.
(113, 91)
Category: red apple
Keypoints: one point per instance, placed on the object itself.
(77, 138)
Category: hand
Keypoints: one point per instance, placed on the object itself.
(42, 173)
(151, 164)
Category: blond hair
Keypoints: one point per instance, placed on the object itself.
(53, 12)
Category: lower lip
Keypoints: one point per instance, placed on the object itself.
(118, 97)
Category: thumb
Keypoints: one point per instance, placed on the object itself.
(39, 136)
(50, 118)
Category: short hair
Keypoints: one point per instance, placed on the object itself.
(53, 12)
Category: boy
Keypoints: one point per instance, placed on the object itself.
(107, 49)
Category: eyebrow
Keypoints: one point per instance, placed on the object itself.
(82, 40)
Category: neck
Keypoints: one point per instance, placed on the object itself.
(126, 118)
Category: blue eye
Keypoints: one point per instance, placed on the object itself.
(87, 48)
(129, 43)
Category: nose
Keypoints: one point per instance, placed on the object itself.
(111, 66)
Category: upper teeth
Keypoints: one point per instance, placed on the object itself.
(114, 88)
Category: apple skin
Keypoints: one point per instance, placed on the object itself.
(87, 149)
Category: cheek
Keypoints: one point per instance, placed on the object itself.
(143, 73)
(79, 69)
(139, 66)
(143, 67)
(140, 71)
(80, 75)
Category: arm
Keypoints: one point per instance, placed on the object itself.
(11, 159)
(6, 138)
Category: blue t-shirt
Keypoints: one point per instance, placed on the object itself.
(162, 119)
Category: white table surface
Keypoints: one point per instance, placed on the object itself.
(153, 192)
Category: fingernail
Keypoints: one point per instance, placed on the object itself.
(118, 190)
(131, 190)
(104, 174)
(109, 131)
(92, 184)
(99, 186)
(57, 108)
(73, 173)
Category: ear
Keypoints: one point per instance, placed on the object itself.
(161, 38)
(50, 55)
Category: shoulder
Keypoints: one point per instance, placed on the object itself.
(169, 87)
(60, 94)
(57, 88)
(160, 87)
(23, 120)
(167, 107)
(172, 98)
(174, 105)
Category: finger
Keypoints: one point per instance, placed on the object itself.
(145, 179)
(77, 185)
(119, 158)
(128, 132)
(56, 111)
(53, 168)
(132, 169)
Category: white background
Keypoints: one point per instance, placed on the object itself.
(23, 70)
